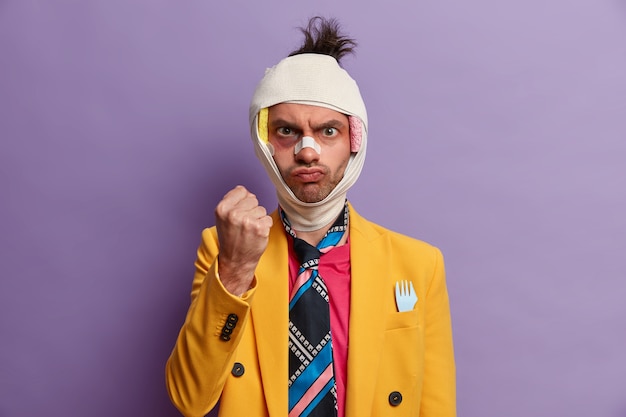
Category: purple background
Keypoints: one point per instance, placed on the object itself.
(497, 132)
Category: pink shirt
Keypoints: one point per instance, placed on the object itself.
(334, 268)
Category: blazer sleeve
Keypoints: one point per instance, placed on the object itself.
(439, 389)
(201, 359)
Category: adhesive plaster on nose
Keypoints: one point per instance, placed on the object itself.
(307, 142)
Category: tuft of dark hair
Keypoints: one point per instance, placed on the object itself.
(323, 36)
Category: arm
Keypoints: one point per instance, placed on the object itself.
(200, 361)
(439, 390)
(221, 295)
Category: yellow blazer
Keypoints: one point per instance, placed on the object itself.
(389, 352)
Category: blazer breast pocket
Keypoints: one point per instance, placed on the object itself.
(402, 320)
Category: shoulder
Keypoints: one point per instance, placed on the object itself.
(397, 242)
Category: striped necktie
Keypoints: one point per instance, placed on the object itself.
(312, 391)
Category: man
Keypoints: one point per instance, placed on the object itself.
(312, 310)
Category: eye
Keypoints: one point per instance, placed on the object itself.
(285, 131)
(330, 132)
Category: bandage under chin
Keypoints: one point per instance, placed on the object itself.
(307, 142)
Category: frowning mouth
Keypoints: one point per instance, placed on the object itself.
(308, 174)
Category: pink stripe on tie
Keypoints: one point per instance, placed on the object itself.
(302, 278)
(312, 392)
(327, 248)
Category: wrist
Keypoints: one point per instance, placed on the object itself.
(235, 277)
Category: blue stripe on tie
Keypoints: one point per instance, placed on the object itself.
(303, 289)
(330, 240)
(318, 398)
(310, 374)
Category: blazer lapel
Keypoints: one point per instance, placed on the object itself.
(270, 317)
(367, 319)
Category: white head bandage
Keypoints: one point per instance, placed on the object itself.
(315, 80)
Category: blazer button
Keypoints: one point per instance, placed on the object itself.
(395, 398)
(238, 369)
(227, 330)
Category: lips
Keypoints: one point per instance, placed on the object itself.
(308, 174)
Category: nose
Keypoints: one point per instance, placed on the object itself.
(307, 155)
(307, 150)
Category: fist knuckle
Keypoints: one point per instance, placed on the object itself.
(220, 209)
(233, 216)
(245, 222)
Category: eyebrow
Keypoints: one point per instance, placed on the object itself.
(282, 122)
(329, 123)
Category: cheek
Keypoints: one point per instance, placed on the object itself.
(343, 154)
(283, 156)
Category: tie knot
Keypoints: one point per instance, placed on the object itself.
(308, 255)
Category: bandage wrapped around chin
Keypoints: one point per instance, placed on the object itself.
(315, 80)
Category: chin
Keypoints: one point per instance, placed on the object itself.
(312, 193)
(310, 197)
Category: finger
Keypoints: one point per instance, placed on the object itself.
(231, 199)
(257, 212)
(266, 223)
(259, 227)
(247, 203)
(237, 194)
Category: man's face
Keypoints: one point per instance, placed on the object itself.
(311, 176)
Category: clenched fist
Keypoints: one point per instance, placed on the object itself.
(243, 229)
